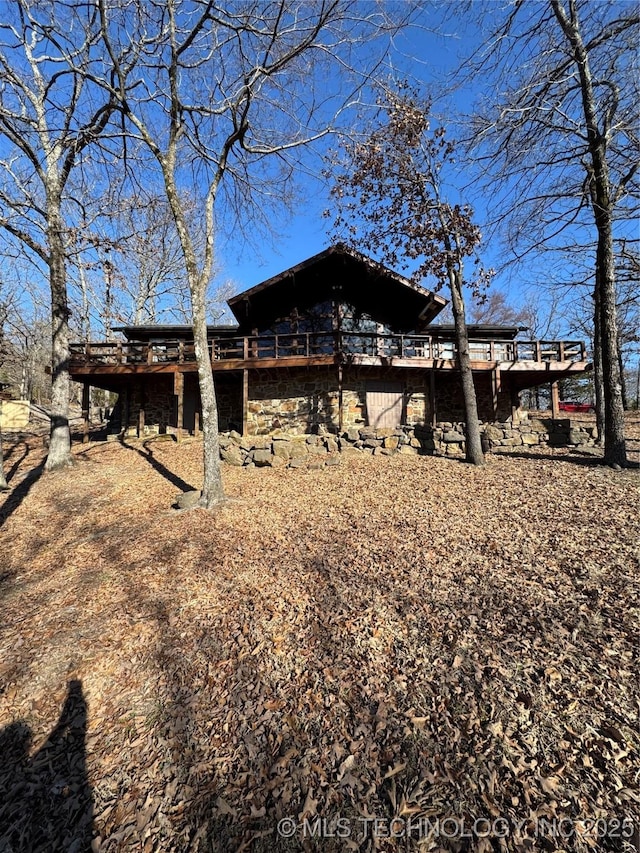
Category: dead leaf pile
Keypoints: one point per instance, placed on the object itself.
(404, 638)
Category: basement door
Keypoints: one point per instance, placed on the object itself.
(384, 403)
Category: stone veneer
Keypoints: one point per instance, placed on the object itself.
(324, 448)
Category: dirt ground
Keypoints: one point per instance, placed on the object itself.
(394, 654)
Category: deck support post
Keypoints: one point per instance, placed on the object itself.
(86, 403)
(126, 406)
(178, 390)
(495, 391)
(141, 414)
(555, 400)
(432, 397)
(515, 404)
(196, 416)
(340, 400)
(245, 400)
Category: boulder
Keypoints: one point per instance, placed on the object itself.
(298, 462)
(282, 449)
(493, 433)
(187, 500)
(232, 455)
(262, 457)
(391, 442)
(406, 450)
(530, 438)
(577, 436)
(451, 437)
(297, 449)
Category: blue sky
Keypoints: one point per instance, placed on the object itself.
(421, 54)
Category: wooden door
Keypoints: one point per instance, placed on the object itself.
(384, 404)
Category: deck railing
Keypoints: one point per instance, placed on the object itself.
(309, 344)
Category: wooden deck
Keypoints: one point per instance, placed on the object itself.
(322, 348)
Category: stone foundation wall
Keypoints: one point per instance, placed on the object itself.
(323, 448)
(302, 401)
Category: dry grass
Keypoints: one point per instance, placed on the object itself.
(405, 637)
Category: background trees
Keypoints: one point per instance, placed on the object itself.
(50, 111)
(391, 198)
(223, 97)
(561, 142)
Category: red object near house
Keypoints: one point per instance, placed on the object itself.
(575, 407)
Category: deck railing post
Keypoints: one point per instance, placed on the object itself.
(538, 351)
(561, 351)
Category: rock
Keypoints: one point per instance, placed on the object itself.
(282, 449)
(331, 444)
(536, 425)
(187, 500)
(391, 442)
(351, 451)
(313, 440)
(454, 450)
(373, 442)
(451, 437)
(530, 438)
(235, 437)
(262, 457)
(317, 449)
(415, 442)
(352, 434)
(297, 449)
(262, 442)
(232, 455)
(577, 436)
(367, 432)
(493, 433)
(316, 465)
(333, 460)
(298, 462)
(406, 450)
(278, 462)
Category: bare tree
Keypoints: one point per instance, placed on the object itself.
(49, 113)
(390, 201)
(562, 143)
(227, 94)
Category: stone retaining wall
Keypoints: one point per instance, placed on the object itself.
(445, 439)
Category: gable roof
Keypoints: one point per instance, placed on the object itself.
(339, 273)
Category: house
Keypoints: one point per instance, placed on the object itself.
(336, 342)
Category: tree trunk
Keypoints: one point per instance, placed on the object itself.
(60, 439)
(602, 205)
(614, 442)
(3, 482)
(598, 383)
(212, 490)
(623, 378)
(474, 452)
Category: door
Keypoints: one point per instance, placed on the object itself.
(384, 404)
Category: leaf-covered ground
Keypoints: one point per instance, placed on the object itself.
(445, 650)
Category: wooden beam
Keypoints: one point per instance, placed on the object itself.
(555, 400)
(125, 412)
(515, 404)
(141, 398)
(495, 391)
(432, 396)
(245, 400)
(86, 402)
(178, 390)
